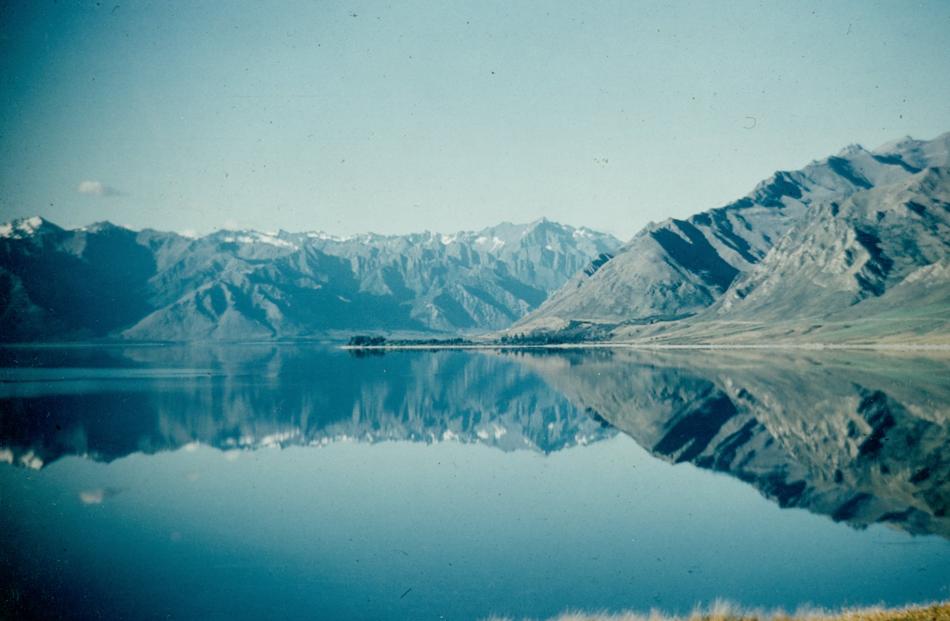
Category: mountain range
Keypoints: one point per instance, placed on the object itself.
(852, 247)
(106, 281)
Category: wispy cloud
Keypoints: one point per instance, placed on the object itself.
(97, 188)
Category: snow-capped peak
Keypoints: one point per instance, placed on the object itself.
(23, 227)
(896, 145)
(851, 149)
(492, 243)
(255, 237)
(324, 236)
(583, 232)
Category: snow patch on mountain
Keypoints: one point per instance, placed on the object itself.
(253, 237)
(22, 228)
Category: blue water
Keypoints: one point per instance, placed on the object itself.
(251, 482)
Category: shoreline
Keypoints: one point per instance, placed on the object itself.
(410, 346)
(662, 346)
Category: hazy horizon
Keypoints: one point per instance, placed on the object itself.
(232, 226)
(192, 233)
(355, 118)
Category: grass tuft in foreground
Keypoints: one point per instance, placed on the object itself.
(725, 611)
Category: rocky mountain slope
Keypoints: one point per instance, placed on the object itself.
(680, 268)
(875, 264)
(105, 281)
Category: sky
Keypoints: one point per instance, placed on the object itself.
(351, 117)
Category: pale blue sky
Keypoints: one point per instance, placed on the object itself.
(354, 116)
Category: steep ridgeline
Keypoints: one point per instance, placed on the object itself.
(873, 266)
(679, 268)
(104, 280)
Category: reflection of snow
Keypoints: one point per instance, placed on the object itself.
(92, 496)
(30, 460)
(273, 440)
(583, 440)
(96, 496)
(495, 431)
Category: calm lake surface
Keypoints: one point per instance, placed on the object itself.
(248, 482)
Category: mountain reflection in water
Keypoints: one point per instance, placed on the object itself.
(860, 438)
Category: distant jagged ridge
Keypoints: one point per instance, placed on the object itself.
(680, 268)
(107, 281)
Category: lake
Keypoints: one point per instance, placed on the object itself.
(262, 481)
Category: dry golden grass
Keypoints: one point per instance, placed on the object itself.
(724, 611)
